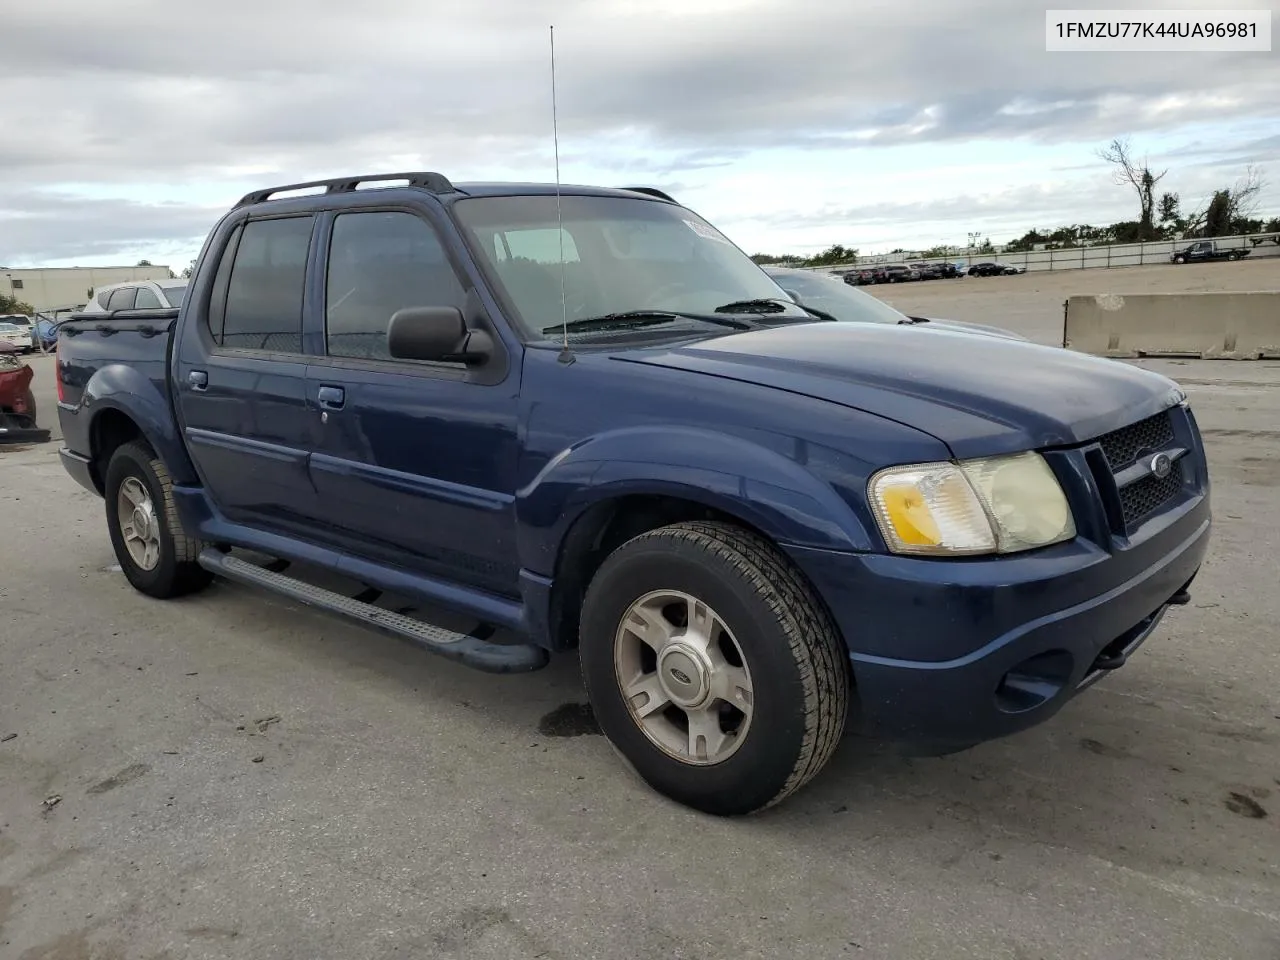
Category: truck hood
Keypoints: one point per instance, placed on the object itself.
(980, 395)
(963, 326)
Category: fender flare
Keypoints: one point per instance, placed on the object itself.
(758, 485)
(122, 388)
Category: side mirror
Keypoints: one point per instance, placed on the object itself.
(435, 333)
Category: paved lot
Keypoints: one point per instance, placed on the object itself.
(405, 807)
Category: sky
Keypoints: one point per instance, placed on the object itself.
(130, 126)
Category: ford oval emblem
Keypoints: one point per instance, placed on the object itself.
(1161, 466)
(681, 676)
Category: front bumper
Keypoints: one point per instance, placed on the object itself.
(947, 654)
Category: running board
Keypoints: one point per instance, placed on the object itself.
(467, 650)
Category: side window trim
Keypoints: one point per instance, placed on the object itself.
(216, 316)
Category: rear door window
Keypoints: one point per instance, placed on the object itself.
(122, 298)
(147, 300)
(264, 297)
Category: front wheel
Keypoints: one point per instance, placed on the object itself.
(155, 552)
(1179, 259)
(712, 667)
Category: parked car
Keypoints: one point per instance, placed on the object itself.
(1203, 250)
(899, 273)
(817, 291)
(738, 513)
(137, 295)
(992, 268)
(862, 277)
(17, 402)
(16, 337)
(927, 271)
(44, 333)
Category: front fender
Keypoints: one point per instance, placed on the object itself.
(122, 388)
(756, 484)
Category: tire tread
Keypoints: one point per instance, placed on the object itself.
(813, 638)
(189, 576)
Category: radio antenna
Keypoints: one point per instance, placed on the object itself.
(565, 356)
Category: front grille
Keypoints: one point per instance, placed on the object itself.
(1129, 445)
(1123, 446)
(1148, 494)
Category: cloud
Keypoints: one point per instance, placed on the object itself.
(249, 93)
(102, 228)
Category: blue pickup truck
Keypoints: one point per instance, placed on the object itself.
(585, 420)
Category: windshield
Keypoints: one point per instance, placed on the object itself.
(833, 296)
(621, 255)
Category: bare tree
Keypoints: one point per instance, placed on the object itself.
(1245, 193)
(1227, 209)
(1136, 174)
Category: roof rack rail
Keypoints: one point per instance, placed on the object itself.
(651, 191)
(434, 182)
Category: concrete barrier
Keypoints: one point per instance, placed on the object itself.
(1223, 326)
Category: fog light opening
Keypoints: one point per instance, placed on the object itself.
(1034, 682)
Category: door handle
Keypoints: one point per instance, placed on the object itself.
(198, 379)
(331, 398)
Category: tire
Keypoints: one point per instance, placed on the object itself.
(1179, 259)
(174, 571)
(796, 668)
(1233, 256)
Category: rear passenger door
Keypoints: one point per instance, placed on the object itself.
(241, 378)
(415, 464)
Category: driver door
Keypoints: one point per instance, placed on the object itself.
(415, 461)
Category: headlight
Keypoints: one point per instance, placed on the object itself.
(997, 505)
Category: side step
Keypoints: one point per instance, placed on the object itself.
(468, 650)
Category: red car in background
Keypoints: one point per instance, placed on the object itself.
(17, 402)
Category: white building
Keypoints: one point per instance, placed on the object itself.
(46, 288)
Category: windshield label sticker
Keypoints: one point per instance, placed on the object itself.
(705, 231)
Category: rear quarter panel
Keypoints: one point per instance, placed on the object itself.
(119, 364)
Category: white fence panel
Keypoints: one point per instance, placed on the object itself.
(1259, 245)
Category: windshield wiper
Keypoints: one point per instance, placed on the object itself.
(758, 305)
(769, 305)
(641, 318)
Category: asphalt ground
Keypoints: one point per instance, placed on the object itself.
(234, 776)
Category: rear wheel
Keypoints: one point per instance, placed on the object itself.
(712, 668)
(155, 553)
